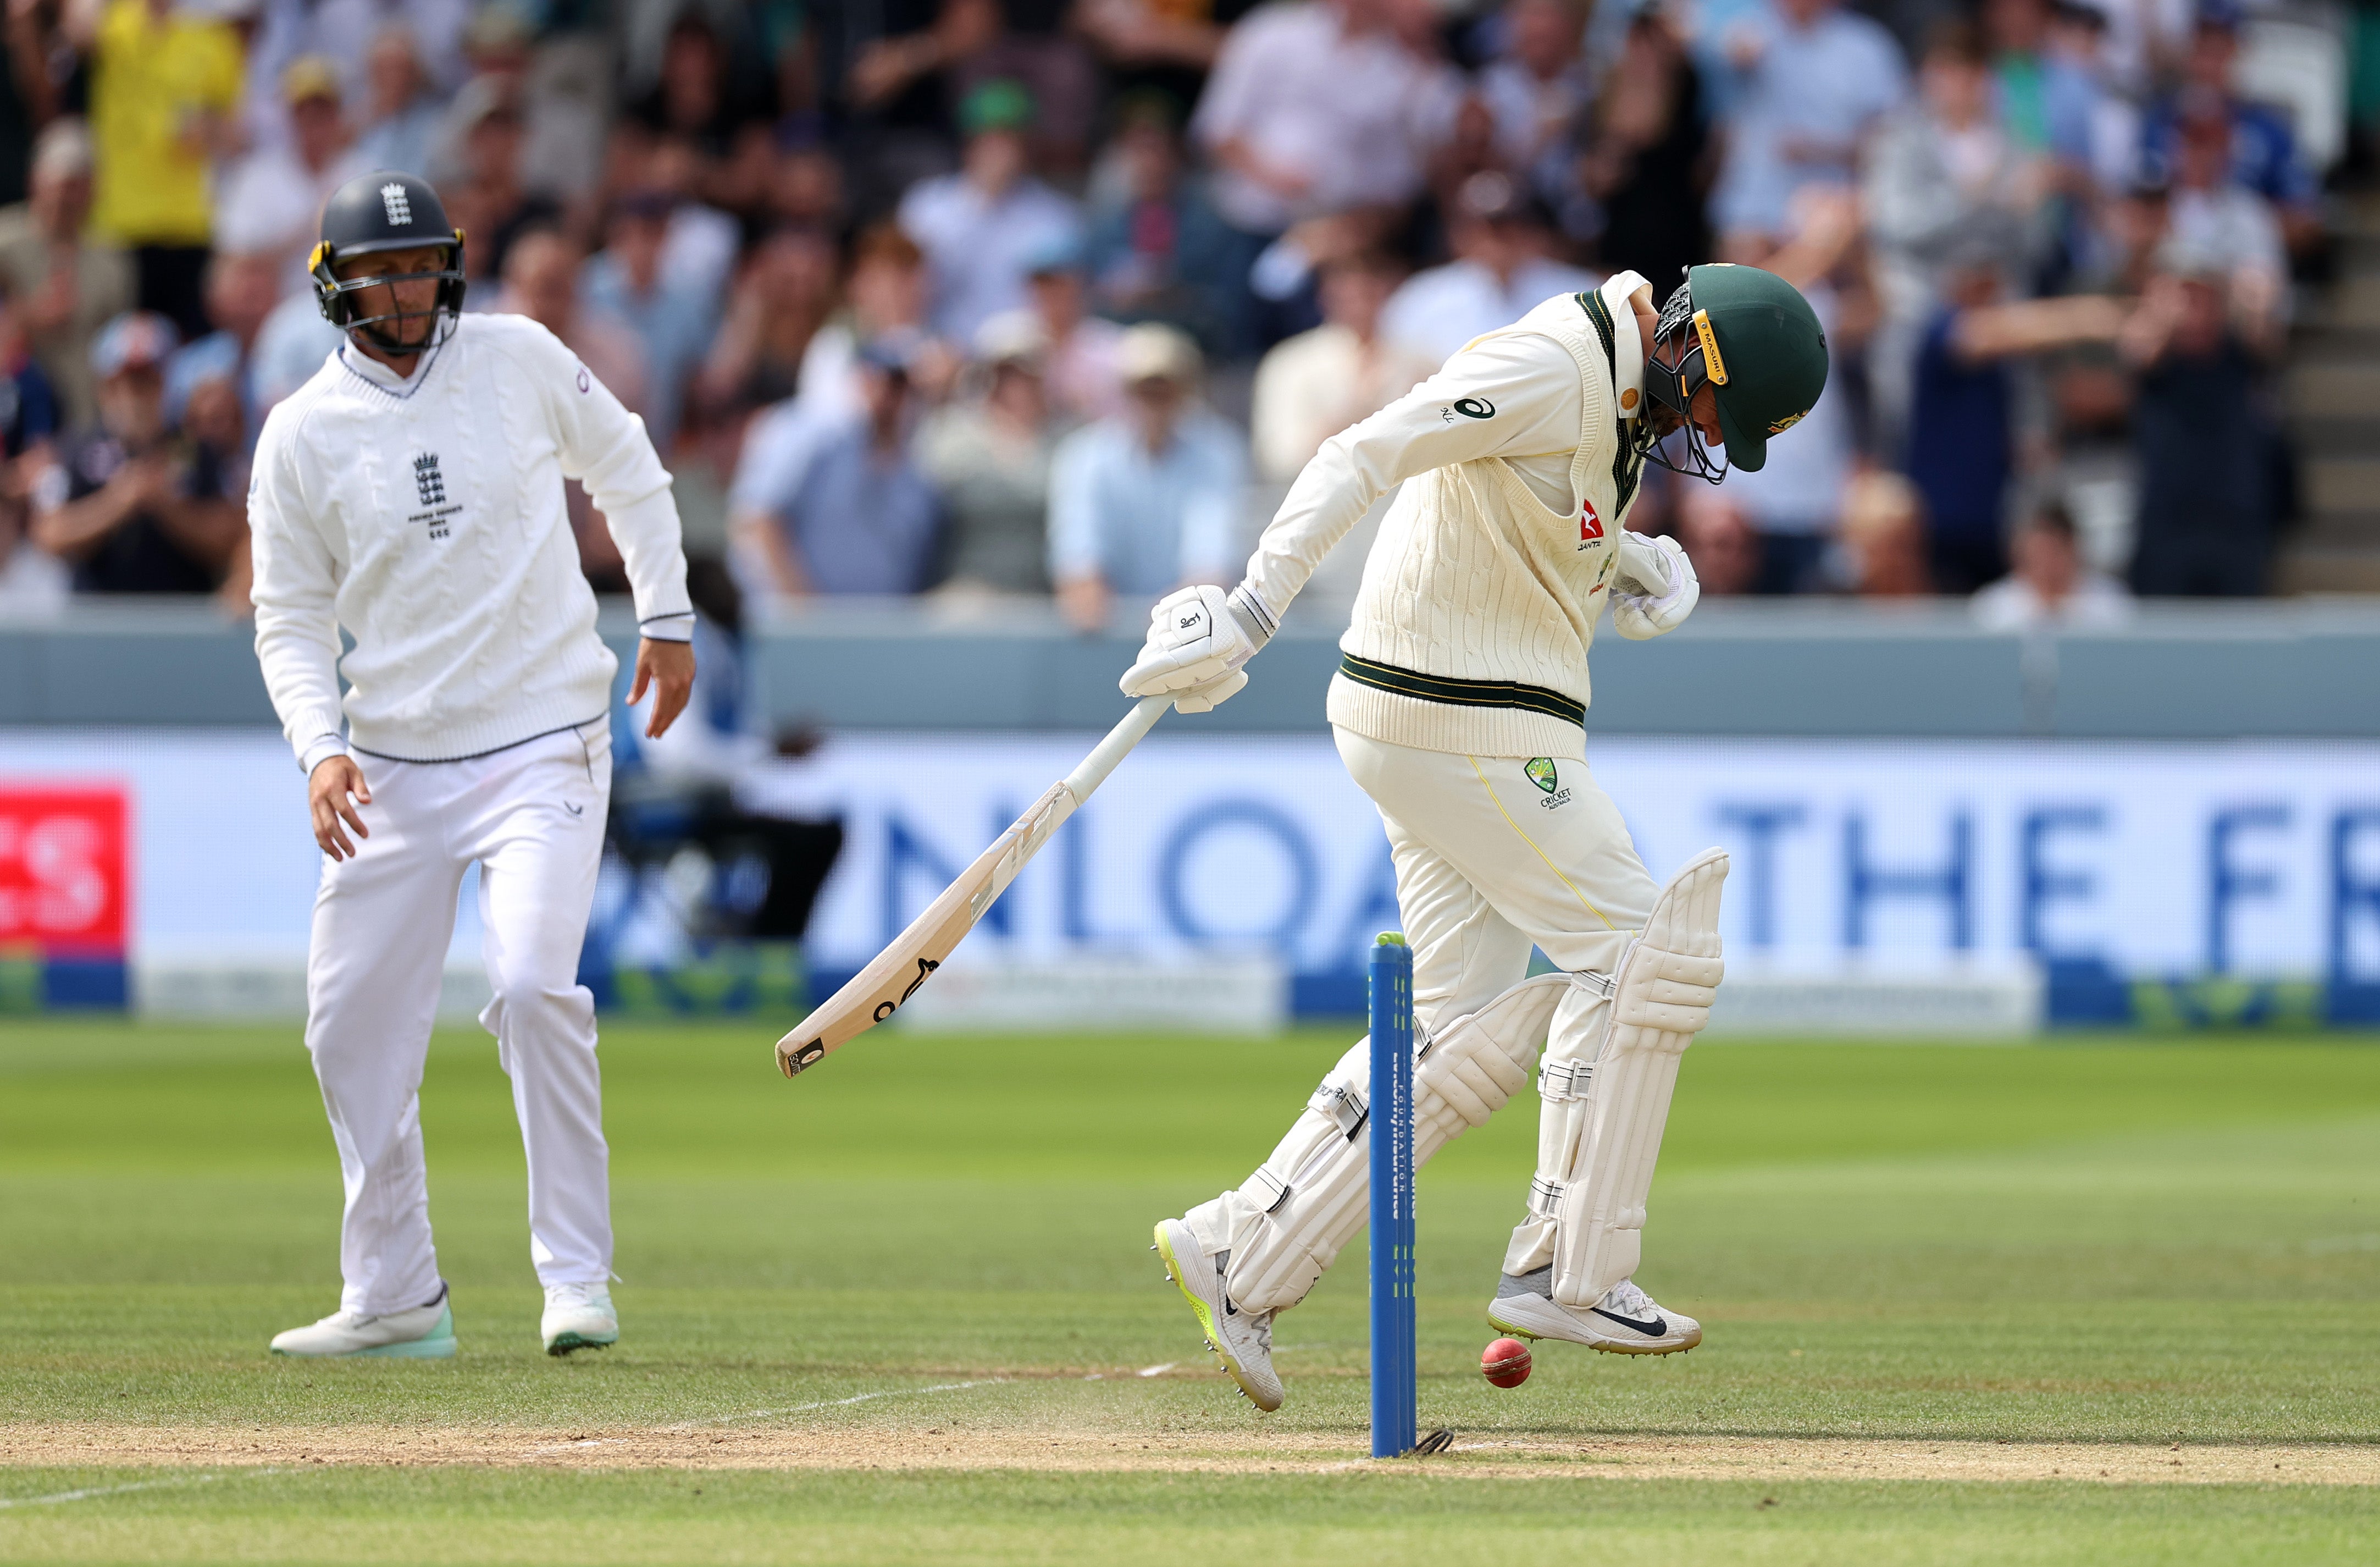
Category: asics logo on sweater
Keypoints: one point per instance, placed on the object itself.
(1469, 407)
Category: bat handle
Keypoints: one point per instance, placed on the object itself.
(1104, 756)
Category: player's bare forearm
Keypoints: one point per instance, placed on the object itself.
(668, 668)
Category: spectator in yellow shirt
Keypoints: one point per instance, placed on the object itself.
(164, 85)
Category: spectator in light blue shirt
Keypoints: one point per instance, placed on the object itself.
(1149, 499)
(1810, 79)
(839, 506)
(981, 227)
(671, 318)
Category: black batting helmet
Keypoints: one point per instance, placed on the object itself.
(383, 212)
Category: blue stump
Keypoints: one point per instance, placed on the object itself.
(1394, 1394)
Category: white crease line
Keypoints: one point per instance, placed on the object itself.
(833, 1404)
(85, 1495)
(1157, 1370)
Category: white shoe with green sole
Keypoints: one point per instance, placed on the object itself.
(426, 1333)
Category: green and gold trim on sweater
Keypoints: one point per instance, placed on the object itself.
(1454, 691)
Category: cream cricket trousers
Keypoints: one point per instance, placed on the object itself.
(1493, 854)
(532, 817)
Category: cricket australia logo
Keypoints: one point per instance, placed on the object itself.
(1541, 771)
(398, 205)
(430, 488)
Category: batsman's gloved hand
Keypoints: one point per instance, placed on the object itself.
(1655, 587)
(1199, 638)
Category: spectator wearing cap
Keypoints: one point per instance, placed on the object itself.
(270, 202)
(2262, 146)
(1809, 80)
(2050, 586)
(165, 84)
(979, 227)
(671, 317)
(349, 33)
(841, 508)
(1080, 363)
(241, 293)
(64, 281)
(1147, 500)
(1320, 107)
(2207, 518)
(988, 452)
(125, 504)
(1501, 272)
(2215, 217)
(402, 110)
(1155, 248)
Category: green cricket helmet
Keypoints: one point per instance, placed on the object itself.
(1758, 345)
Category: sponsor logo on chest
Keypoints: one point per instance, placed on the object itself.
(437, 513)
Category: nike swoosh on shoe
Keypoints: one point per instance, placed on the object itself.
(1652, 1330)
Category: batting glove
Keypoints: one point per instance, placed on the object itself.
(1199, 640)
(1655, 589)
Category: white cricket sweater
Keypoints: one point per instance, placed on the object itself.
(1478, 603)
(425, 515)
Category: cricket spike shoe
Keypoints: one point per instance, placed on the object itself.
(1241, 1339)
(578, 1316)
(1625, 1321)
(426, 1333)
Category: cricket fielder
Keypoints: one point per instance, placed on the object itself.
(1460, 707)
(411, 493)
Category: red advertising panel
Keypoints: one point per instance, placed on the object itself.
(66, 868)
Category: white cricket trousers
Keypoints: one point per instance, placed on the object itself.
(532, 817)
(1493, 854)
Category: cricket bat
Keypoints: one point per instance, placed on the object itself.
(893, 976)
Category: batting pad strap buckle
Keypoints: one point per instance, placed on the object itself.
(1558, 1082)
(1345, 1104)
(1544, 1197)
(1265, 1189)
(1594, 984)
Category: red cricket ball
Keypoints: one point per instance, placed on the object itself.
(1505, 1363)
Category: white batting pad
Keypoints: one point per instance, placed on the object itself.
(1288, 1222)
(1666, 984)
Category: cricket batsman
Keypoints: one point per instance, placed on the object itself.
(1460, 707)
(411, 493)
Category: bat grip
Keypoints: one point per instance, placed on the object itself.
(1095, 768)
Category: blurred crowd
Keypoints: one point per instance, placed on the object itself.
(1054, 297)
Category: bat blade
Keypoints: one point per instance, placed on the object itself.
(877, 991)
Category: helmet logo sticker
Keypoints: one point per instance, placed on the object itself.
(399, 205)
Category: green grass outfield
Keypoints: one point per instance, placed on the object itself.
(2089, 1301)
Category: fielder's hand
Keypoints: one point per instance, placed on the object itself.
(1655, 589)
(1199, 638)
(334, 778)
(668, 668)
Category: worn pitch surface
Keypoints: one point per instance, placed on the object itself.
(2082, 1301)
